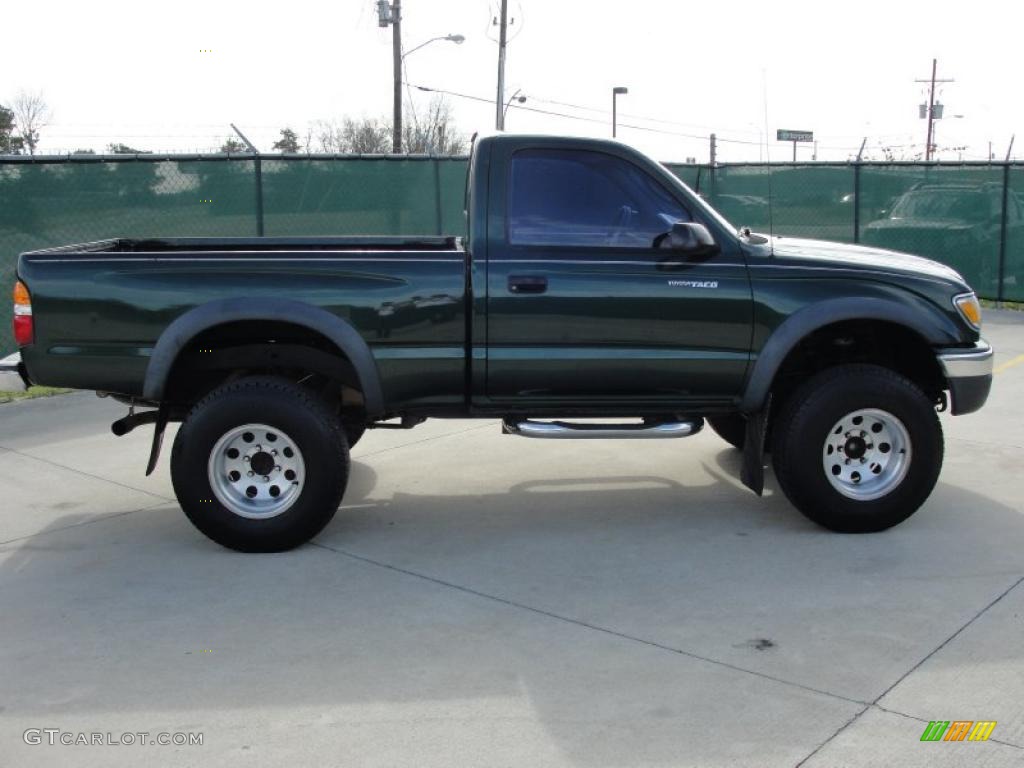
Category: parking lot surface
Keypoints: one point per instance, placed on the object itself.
(485, 600)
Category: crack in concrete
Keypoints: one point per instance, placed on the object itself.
(84, 473)
(424, 440)
(585, 624)
(81, 523)
(905, 675)
(867, 705)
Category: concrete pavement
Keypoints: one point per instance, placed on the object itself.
(483, 600)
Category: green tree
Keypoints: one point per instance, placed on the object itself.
(9, 143)
(233, 146)
(289, 141)
(117, 148)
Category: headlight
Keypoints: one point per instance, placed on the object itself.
(969, 308)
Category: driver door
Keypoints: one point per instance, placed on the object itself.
(581, 304)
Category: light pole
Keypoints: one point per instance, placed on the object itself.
(517, 96)
(399, 61)
(616, 92)
(457, 39)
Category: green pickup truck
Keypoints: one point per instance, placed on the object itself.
(596, 296)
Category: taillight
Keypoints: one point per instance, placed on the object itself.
(24, 332)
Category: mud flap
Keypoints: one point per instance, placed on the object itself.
(158, 439)
(752, 471)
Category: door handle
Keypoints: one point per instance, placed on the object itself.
(527, 284)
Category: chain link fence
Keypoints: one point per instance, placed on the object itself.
(969, 216)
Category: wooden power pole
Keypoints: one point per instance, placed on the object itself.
(396, 55)
(929, 146)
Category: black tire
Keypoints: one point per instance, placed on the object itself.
(731, 427)
(805, 422)
(301, 417)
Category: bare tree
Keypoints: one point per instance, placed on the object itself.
(434, 132)
(365, 136)
(31, 115)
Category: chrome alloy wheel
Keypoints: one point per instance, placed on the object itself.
(867, 454)
(256, 471)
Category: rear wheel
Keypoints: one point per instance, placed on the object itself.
(260, 465)
(857, 448)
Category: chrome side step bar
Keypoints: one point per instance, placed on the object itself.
(562, 430)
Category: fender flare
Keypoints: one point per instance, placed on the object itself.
(929, 325)
(186, 327)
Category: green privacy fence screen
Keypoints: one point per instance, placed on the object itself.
(970, 216)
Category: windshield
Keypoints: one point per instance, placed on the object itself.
(940, 204)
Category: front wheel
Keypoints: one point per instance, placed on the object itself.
(857, 448)
(260, 465)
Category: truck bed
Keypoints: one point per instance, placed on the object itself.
(101, 307)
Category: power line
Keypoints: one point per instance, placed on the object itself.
(581, 118)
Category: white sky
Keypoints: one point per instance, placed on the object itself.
(131, 71)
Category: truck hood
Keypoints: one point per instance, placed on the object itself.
(821, 253)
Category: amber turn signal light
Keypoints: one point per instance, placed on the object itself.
(970, 308)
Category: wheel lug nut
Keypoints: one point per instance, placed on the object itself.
(245, 458)
(266, 479)
(277, 468)
(847, 461)
(273, 453)
(863, 460)
(251, 473)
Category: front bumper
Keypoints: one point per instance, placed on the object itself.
(969, 375)
(12, 374)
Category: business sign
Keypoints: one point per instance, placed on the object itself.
(784, 135)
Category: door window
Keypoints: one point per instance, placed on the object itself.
(589, 199)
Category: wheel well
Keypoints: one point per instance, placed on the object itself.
(232, 350)
(877, 342)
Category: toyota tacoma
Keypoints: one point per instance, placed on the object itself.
(595, 296)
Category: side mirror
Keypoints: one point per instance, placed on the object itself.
(691, 239)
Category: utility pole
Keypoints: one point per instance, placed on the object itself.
(929, 146)
(396, 55)
(714, 150)
(1009, 149)
(499, 121)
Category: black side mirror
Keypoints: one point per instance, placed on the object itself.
(691, 239)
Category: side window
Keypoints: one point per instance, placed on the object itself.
(581, 198)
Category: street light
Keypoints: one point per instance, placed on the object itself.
(399, 65)
(616, 92)
(517, 96)
(457, 39)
